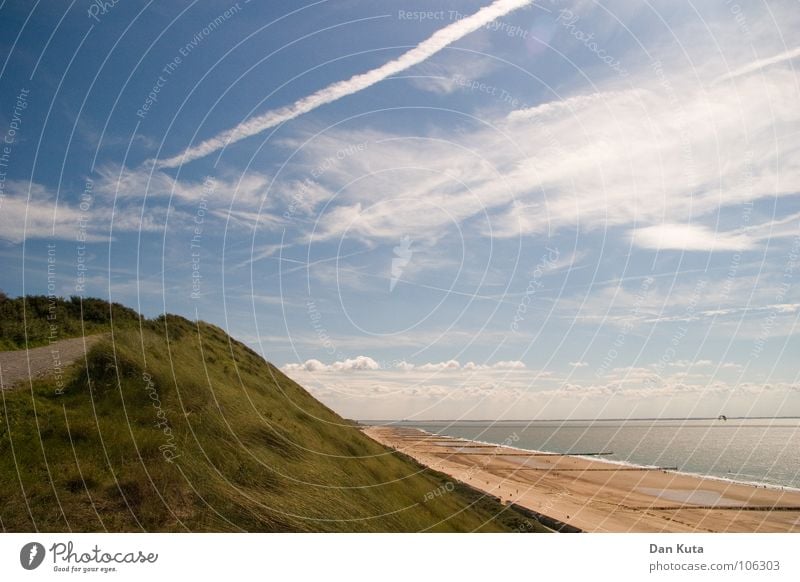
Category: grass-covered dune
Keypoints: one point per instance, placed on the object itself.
(172, 425)
(34, 320)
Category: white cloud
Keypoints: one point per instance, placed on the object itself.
(527, 394)
(502, 365)
(424, 50)
(691, 363)
(688, 237)
(367, 363)
(307, 366)
(117, 192)
(509, 365)
(248, 218)
(578, 364)
(47, 214)
(37, 216)
(357, 363)
(350, 364)
(450, 72)
(759, 64)
(245, 191)
(448, 365)
(611, 158)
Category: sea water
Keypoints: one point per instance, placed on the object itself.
(763, 451)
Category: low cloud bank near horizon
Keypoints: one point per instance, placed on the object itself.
(367, 363)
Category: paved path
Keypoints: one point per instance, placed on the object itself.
(14, 366)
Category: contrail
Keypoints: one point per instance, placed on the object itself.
(426, 49)
(760, 64)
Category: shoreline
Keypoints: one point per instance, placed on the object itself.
(600, 495)
(760, 484)
(618, 462)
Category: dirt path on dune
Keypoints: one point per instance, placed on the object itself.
(20, 365)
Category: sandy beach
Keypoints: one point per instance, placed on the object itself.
(599, 496)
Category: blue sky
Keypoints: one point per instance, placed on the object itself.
(447, 210)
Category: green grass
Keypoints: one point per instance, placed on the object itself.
(179, 427)
(32, 321)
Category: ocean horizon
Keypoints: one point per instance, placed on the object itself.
(763, 450)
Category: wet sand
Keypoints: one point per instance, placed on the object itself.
(598, 496)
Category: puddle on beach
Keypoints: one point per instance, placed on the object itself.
(692, 496)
